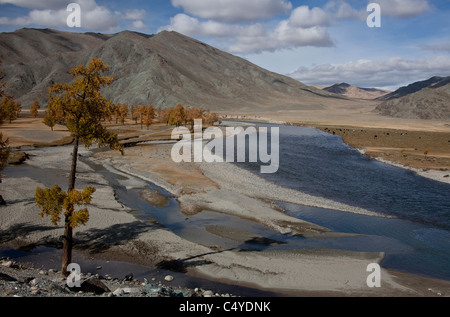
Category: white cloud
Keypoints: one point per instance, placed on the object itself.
(387, 73)
(304, 17)
(41, 4)
(134, 14)
(404, 8)
(304, 27)
(234, 10)
(53, 13)
(188, 25)
(340, 9)
(137, 25)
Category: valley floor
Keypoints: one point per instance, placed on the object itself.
(115, 233)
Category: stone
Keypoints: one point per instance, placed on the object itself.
(7, 278)
(208, 293)
(169, 278)
(94, 285)
(126, 290)
(153, 289)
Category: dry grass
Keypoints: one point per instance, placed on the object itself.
(417, 149)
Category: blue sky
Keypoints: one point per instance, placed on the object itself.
(319, 42)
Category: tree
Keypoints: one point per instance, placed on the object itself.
(149, 115)
(34, 109)
(193, 113)
(51, 117)
(83, 108)
(52, 202)
(141, 112)
(177, 116)
(135, 113)
(10, 108)
(165, 115)
(4, 154)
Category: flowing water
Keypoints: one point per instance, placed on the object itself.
(417, 240)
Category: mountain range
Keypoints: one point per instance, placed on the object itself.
(169, 68)
(428, 99)
(163, 69)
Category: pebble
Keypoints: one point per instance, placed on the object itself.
(169, 278)
(208, 293)
(41, 283)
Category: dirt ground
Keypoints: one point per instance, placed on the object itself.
(417, 149)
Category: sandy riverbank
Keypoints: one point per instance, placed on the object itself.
(113, 231)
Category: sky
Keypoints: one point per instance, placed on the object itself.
(318, 42)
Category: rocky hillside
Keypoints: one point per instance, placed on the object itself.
(427, 100)
(355, 92)
(162, 69)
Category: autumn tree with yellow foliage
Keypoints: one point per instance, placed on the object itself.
(34, 109)
(83, 108)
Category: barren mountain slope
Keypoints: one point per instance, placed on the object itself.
(428, 100)
(162, 69)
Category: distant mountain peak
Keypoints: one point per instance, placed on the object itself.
(350, 91)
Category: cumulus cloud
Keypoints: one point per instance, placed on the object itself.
(304, 27)
(53, 13)
(42, 4)
(234, 10)
(404, 8)
(135, 14)
(387, 73)
(340, 9)
(304, 17)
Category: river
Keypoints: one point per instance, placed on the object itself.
(415, 236)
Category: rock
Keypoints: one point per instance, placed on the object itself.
(169, 278)
(129, 277)
(16, 158)
(33, 282)
(7, 263)
(94, 285)
(208, 293)
(7, 278)
(118, 292)
(153, 289)
(126, 290)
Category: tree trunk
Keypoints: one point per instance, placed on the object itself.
(68, 239)
(67, 248)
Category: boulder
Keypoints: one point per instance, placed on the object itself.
(94, 285)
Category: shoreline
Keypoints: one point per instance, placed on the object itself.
(145, 242)
(385, 153)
